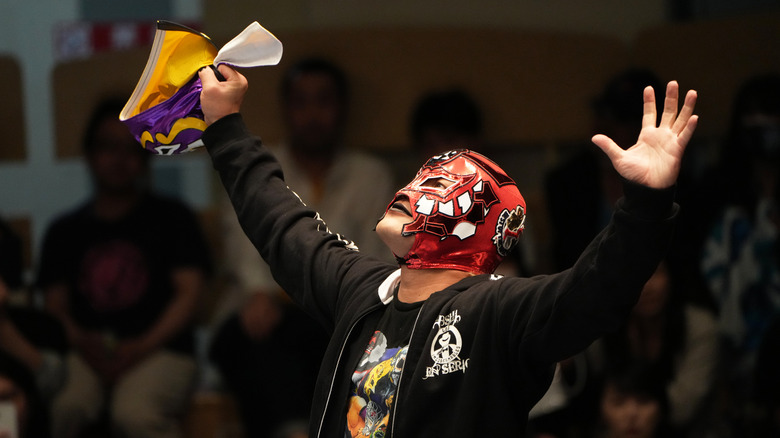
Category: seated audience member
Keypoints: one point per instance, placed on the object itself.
(678, 338)
(20, 397)
(632, 403)
(29, 335)
(741, 259)
(264, 345)
(124, 272)
(32, 350)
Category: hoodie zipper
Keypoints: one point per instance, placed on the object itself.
(401, 376)
(335, 370)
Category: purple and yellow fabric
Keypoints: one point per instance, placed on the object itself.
(164, 112)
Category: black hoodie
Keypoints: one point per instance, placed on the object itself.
(506, 334)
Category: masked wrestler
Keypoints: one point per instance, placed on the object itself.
(437, 345)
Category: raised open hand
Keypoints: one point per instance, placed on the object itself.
(654, 161)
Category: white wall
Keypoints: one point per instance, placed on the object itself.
(39, 186)
(42, 186)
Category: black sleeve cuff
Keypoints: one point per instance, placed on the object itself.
(218, 130)
(647, 203)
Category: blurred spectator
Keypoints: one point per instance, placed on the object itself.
(24, 413)
(31, 336)
(679, 339)
(741, 258)
(32, 347)
(124, 272)
(632, 403)
(264, 345)
(581, 192)
(446, 120)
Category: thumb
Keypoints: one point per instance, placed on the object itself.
(207, 76)
(609, 147)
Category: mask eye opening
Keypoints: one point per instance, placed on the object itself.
(436, 183)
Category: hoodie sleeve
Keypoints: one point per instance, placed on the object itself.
(554, 317)
(313, 265)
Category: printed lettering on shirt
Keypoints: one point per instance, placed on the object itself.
(446, 347)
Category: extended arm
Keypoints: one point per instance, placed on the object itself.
(315, 266)
(595, 295)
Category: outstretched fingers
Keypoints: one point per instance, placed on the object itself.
(687, 132)
(670, 104)
(685, 113)
(649, 114)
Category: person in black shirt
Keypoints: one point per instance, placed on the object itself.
(123, 272)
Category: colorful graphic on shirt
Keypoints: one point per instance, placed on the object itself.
(374, 383)
(114, 275)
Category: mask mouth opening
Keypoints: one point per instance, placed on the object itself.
(401, 203)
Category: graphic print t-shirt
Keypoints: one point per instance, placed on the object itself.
(375, 380)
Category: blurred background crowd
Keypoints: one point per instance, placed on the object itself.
(132, 305)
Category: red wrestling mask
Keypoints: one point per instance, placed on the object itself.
(471, 224)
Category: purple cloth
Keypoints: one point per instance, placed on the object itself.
(174, 125)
